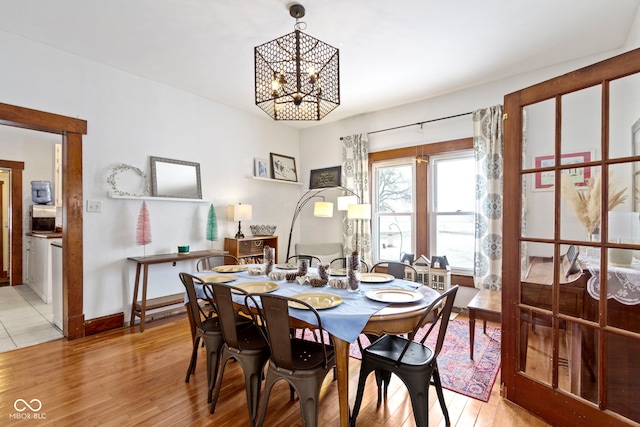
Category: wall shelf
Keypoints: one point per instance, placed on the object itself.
(279, 181)
(165, 199)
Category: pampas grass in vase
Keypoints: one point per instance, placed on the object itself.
(586, 203)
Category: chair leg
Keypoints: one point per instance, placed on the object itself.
(268, 384)
(364, 373)
(212, 367)
(194, 359)
(224, 358)
(438, 385)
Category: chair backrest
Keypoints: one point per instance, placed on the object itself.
(342, 263)
(325, 251)
(226, 311)
(273, 314)
(208, 262)
(189, 280)
(440, 313)
(313, 260)
(396, 269)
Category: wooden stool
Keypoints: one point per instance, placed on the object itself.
(486, 305)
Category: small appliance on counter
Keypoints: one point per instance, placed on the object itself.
(43, 216)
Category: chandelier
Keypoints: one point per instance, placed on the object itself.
(297, 76)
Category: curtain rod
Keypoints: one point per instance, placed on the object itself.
(420, 123)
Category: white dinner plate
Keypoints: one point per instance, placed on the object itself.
(257, 287)
(394, 295)
(317, 300)
(376, 277)
(230, 268)
(218, 278)
(287, 266)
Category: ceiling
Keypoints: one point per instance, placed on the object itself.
(391, 52)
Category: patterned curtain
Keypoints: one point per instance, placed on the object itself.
(355, 177)
(487, 146)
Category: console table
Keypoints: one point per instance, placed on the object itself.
(170, 303)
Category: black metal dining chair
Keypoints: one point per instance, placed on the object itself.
(313, 260)
(243, 343)
(412, 361)
(303, 364)
(208, 262)
(398, 270)
(342, 263)
(205, 327)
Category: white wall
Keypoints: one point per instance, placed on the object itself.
(129, 119)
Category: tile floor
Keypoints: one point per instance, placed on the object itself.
(24, 319)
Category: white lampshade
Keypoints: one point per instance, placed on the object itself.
(323, 209)
(359, 211)
(345, 201)
(239, 212)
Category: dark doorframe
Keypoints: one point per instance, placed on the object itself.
(71, 130)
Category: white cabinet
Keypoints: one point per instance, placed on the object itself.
(56, 278)
(39, 262)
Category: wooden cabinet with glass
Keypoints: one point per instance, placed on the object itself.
(250, 250)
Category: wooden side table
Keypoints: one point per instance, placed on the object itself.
(170, 302)
(486, 305)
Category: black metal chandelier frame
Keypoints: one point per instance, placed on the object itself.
(297, 77)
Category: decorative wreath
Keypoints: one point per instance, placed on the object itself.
(112, 180)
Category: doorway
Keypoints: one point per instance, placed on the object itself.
(71, 130)
(565, 139)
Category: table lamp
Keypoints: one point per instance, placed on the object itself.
(239, 213)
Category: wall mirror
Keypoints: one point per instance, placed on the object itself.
(175, 178)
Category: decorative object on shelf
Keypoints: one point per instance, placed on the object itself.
(321, 209)
(262, 230)
(212, 225)
(261, 168)
(327, 177)
(586, 203)
(239, 213)
(175, 178)
(353, 272)
(297, 77)
(268, 258)
(143, 228)
(184, 249)
(283, 167)
(118, 169)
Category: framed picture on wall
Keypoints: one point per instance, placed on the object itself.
(579, 176)
(283, 168)
(261, 168)
(327, 177)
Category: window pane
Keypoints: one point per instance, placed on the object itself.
(455, 184)
(395, 189)
(455, 239)
(394, 236)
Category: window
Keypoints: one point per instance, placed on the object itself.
(394, 214)
(452, 212)
(426, 207)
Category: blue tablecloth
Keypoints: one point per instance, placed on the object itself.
(345, 321)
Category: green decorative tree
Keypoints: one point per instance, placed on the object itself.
(212, 226)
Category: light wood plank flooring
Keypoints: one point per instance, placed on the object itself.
(127, 378)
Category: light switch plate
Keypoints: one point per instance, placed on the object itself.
(94, 206)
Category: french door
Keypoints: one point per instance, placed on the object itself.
(571, 299)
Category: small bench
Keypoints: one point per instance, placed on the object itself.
(486, 305)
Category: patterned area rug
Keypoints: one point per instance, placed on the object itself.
(473, 378)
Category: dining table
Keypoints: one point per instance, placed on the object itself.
(382, 304)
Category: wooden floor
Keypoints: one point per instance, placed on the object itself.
(127, 378)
